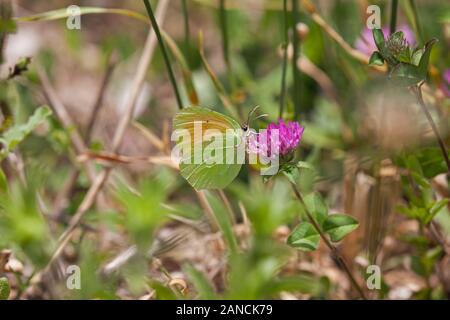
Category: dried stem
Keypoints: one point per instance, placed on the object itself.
(70, 184)
(332, 248)
(95, 188)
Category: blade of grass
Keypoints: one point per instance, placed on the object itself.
(296, 50)
(224, 34)
(410, 9)
(155, 26)
(185, 71)
(62, 13)
(218, 86)
(201, 283)
(285, 54)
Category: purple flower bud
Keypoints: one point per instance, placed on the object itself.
(366, 44)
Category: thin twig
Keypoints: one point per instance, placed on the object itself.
(164, 52)
(112, 61)
(227, 204)
(70, 184)
(332, 248)
(418, 91)
(61, 112)
(95, 188)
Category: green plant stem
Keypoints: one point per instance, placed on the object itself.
(164, 52)
(225, 42)
(187, 43)
(418, 91)
(332, 248)
(394, 10)
(285, 49)
(296, 51)
(416, 19)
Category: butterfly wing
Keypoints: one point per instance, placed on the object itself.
(204, 126)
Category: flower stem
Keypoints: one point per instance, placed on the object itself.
(164, 52)
(418, 91)
(285, 49)
(394, 7)
(333, 249)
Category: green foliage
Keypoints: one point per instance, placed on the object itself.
(422, 206)
(5, 290)
(339, 225)
(204, 288)
(317, 206)
(14, 135)
(273, 206)
(408, 67)
(223, 220)
(22, 225)
(304, 237)
(145, 210)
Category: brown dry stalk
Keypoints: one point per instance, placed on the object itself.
(89, 199)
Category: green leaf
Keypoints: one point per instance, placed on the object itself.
(339, 225)
(417, 56)
(376, 59)
(203, 286)
(317, 206)
(3, 182)
(4, 289)
(304, 165)
(425, 58)
(16, 134)
(378, 37)
(435, 209)
(222, 217)
(304, 237)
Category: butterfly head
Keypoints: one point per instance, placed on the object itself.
(245, 125)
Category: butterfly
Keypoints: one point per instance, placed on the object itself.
(213, 146)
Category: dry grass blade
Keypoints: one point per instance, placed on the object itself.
(93, 191)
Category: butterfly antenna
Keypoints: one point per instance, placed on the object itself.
(250, 113)
(261, 116)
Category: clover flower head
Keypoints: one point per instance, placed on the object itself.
(366, 44)
(278, 139)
